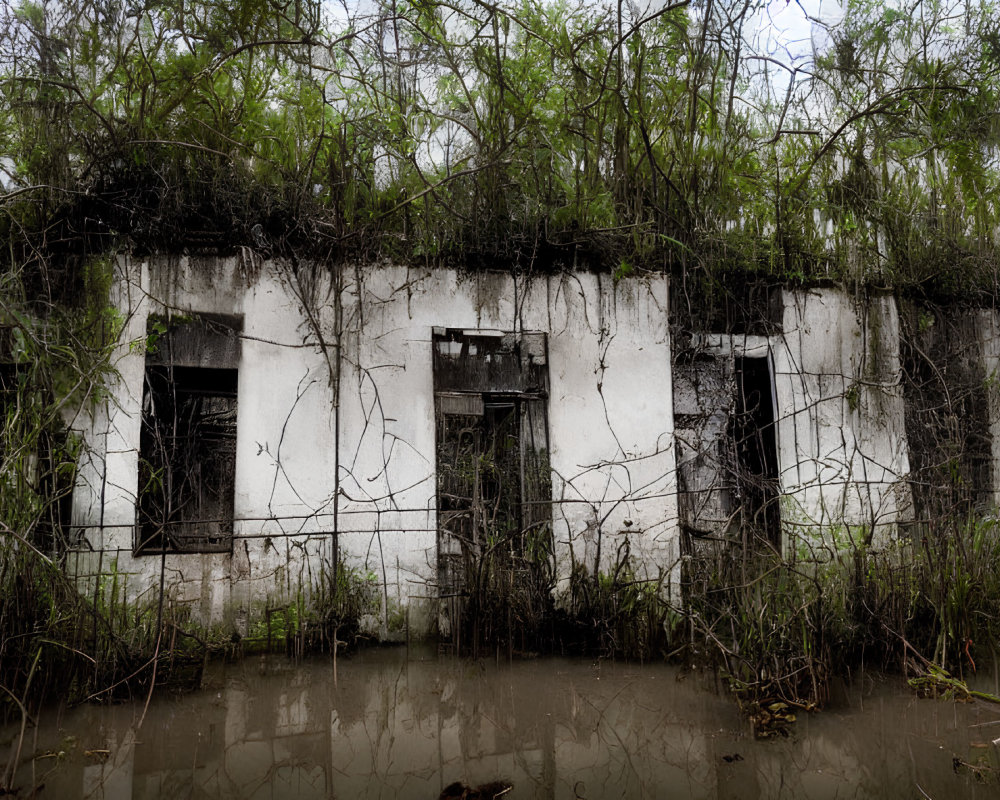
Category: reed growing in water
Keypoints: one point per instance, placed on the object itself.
(780, 629)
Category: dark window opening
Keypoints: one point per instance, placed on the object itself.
(474, 361)
(187, 460)
(478, 478)
(755, 485)
(486, 469)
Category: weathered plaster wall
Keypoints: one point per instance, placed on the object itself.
(609, 410)
(283, 390)
(842, 441)
(609, 426)
(349, 452)
(839, 421)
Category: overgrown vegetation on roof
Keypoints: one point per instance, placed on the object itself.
(707, 135)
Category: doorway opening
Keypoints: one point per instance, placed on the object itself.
(752, 428)
(494, 489)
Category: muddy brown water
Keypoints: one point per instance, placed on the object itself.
(406, 723)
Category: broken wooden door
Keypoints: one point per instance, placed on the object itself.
(726, 451)
(493, 481)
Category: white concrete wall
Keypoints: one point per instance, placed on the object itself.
(283, 391)
(841, 438)
(841, 435)
(609, 417)
(609, 410)
(840, 432)
(989, 327)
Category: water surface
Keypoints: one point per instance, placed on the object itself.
(406, 723)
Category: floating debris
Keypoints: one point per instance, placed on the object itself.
(487, 791)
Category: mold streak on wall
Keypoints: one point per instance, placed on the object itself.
(338, 428)
(842, 443)
(268, 422)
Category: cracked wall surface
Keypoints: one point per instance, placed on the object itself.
(336, 435)
(843, 442)
(336, 451)
(839, 432)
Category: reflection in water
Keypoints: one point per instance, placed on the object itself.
(406, 724)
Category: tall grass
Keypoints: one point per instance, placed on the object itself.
(780, 629)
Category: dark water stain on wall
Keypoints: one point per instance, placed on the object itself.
(946, 411)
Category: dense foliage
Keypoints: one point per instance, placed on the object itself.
(713, 135)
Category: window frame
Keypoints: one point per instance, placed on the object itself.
(192, 374)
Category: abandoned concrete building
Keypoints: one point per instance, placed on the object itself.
(267, 422)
